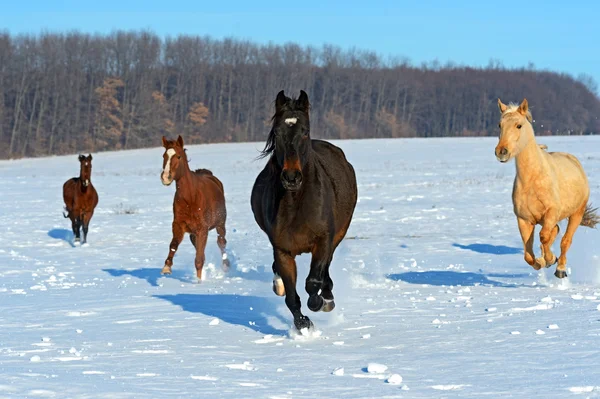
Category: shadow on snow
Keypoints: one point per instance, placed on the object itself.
(150, 274)
(252, 312)
(448, 278)
(62, 234)
(490, 249)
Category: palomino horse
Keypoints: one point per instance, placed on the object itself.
(80, 198)
(549, 187)
(303, 200)
(198, 206)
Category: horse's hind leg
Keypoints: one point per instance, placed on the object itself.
(222, 243)
(286, 268)
(565, 244)
(201, 237)
(527, 229)
(178, 233)
(278, 287)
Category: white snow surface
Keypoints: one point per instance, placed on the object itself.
(431, 273)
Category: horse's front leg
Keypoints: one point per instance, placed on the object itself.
(178, 233)
(286, 269)
(318, 278)
(547, 237)
(527, 229)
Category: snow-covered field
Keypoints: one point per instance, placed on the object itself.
(433, 297)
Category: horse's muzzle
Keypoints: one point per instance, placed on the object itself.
(167, 181)
(291, 179)
(502, 154)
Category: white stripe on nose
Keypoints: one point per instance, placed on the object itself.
(167, 170)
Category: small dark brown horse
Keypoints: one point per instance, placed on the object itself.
(304, 200)
(80, 198)
(198, 206)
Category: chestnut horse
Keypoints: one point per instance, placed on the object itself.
(198, 206)
(303, 200)
(80, 198)
(549, 187)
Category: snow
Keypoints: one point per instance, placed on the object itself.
(430, 282)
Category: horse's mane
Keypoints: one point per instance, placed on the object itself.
(512, 107)
(201, 172)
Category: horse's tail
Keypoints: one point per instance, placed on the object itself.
(590, 217)
(66, 215)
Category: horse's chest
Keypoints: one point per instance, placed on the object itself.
(528, 204)
(295, 239)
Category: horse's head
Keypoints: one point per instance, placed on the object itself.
(516, 130)
(173, 159)
(289, 139)
(85, 171)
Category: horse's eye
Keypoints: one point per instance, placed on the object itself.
(518, 126)
(499, 125)
(178, 156)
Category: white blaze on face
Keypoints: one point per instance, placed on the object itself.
(291, 121)
(167, 169)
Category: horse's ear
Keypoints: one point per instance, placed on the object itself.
(164, 140)
(89, 157)
(302, 101)
(501, 106)
(81, 157)
(524, 107)
(280, 100)
(180, 141)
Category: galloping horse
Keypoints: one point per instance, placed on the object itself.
(303, 200)
(548, 188)
(80, 198)
(198, 206)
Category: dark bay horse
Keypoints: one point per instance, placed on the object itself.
(198, 206)
(303, 200)
(80, 198)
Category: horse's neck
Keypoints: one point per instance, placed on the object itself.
(185, 180)
(530, 162)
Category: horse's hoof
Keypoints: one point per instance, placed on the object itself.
(77, 239)
(303, 322)
(226, 265)
(278, 287)
(328, 305)
(315, 303)
(560, 273)
(165, 270)
(554, 262)
(540, 263)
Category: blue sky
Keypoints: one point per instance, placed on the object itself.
(556, 35)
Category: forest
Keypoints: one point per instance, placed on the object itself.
(77, 92)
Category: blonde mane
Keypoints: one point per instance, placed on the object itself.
(512, 107)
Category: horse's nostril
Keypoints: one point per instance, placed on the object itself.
(503, 152)
(291, 176)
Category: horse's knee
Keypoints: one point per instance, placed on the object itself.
(545, 236)
(313, 286)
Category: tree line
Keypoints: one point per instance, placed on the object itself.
(65, 93)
